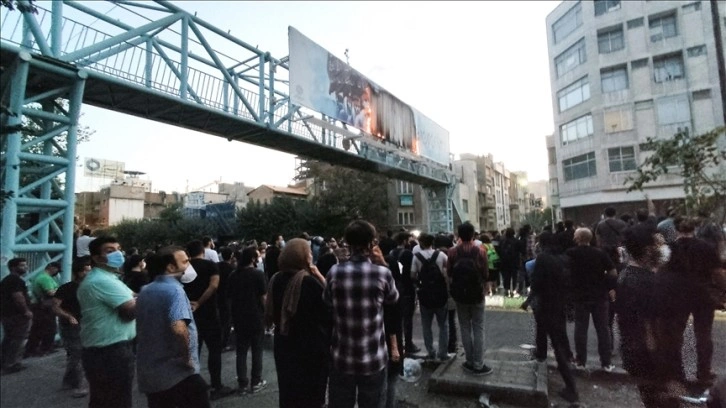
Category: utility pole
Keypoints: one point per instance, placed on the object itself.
(715, 17)
(347, 59)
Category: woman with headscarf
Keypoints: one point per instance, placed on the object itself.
(302, 327)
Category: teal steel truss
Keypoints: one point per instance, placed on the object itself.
(156, 61)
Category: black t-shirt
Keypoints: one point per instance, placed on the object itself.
(69, 301)
(196, 288)
(246, 286)
(405, 257)
(588, 273)
(225, 270)
(135, 280)
(685, 279)
(9, 285)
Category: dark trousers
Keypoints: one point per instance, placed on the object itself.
(371, 390)
(452, 331)
(225, 320)
(509, 278)
(656, 395)
(553, 323)
(408, 307)
(15, 329)
(522, 280)
(247, 340)
(599, 312)
(110, 375)
(210, 333)
(71, 336)
(189, 393)
(42, 333)
(703, 316)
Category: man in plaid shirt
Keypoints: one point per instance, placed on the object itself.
(357, 290)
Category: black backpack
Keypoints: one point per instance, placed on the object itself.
(432, 285)
(467, 286)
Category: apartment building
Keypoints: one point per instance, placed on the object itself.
(622, 71)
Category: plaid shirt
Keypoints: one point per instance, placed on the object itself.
(357, 290)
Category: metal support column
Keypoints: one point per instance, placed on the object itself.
(441, 207)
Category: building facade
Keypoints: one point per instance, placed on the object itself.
(623, 71)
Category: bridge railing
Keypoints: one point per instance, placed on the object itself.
(169, 51)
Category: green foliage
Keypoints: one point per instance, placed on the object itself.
(697, 159)
(282, 215)
(11, 5)
(145, 234)
(537, 219)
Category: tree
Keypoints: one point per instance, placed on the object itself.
(698, 160)
(341, 195)
(11, 5)
(537, 219)
(282, 215)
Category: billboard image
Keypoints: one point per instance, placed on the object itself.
(326, 84)
(93, 167)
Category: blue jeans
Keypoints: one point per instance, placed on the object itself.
(427, 317)
(471, 321)
(371, 389)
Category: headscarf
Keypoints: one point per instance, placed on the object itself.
(294, 259)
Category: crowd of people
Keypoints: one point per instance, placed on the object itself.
(341, 312)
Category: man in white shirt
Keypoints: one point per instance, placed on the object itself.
(432, 294)
(82, 243)
(209, 253)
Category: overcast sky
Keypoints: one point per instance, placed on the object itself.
(479, 69)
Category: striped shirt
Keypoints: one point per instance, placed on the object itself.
(357, 290)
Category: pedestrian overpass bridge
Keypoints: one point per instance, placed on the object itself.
(156, 61)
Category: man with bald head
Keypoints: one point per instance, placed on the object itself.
(593, 277)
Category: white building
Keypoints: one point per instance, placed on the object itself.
(622, 71)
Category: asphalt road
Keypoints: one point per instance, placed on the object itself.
(39, 385)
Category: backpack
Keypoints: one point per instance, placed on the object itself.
(492, 257)
(432, 285)
(466, 280)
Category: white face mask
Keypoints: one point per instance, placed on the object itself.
(189, 274)
(665, 254)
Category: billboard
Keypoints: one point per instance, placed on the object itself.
(102, 168)
(324, 83)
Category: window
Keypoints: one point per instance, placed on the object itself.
(579, 128)
(668, 68)
(614, 79)
(621, 159)
(641, 63)
(618, 120)
(404, 187)
(662, 27)
(702, 94)
(697, 51)
(610, 40)
(568, 23)
(673, 109)
(580, 167)
(552, 155)
(405, 218)
(606, 6)
(574, 94)
(635, 23)
(691, 7)
(571, 58)
(465, 205)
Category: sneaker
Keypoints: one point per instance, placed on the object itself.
(220, 392)
(608, 368)
(412, 349)
(79, 393)
(580, 367)
(569, 395)
(484, 370)
(258, 387)
(467, 366)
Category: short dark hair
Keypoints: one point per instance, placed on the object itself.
(195, 248)
(360, 234)
(206, 241)
(402, 237)
(226, 253)
(426, 240)
(547, 239)
(53, 265)
(247, 256)
(95, 246)
(685, 225)
(443, 241)
(86, 231)
(638, 238)
(13, 263)
(156, 263)
(610, 212)
(641, 215)
(466, 231)
(569, 224)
